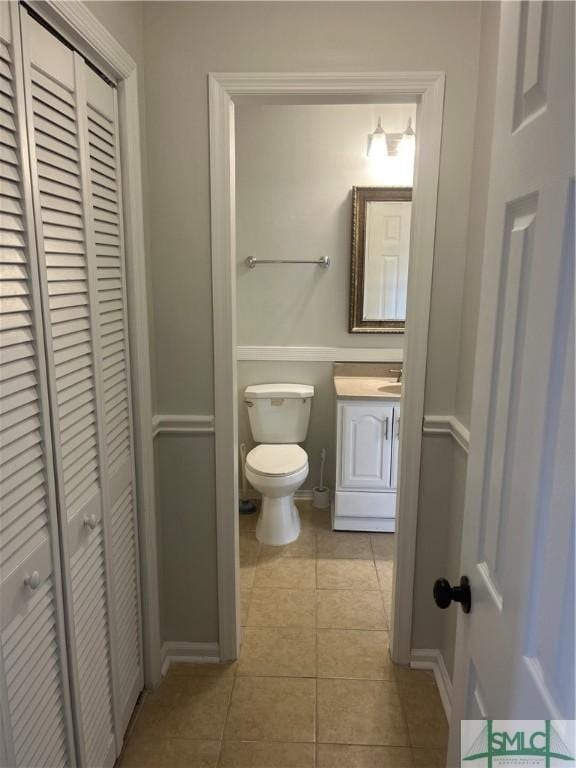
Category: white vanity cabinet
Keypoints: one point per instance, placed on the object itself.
(367, 460)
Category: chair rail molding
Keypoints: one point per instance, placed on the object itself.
(91, 38)
(448, 425)
(182, 424)
(320, 354)
(224, 90)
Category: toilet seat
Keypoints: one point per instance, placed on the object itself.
(277, 460)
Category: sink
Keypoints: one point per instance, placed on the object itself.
(394, 388)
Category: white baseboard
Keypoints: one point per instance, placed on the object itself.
(431, 658)
(252, 495)
(189, 653)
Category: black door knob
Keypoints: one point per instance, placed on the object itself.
(444, 594)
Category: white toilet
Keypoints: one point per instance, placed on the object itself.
(279, 417)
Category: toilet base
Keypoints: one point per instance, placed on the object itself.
(278, 522)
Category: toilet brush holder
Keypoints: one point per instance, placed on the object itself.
(321, 497)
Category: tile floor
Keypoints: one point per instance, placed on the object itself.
(314, 686)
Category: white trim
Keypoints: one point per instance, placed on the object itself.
(448, 425)
(188, 653)
(431, 658)
(428, 88)
(177, 424)
(252, 495)
(321, 354)
(78, 25)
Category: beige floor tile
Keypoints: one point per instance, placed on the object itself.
(350, 609)
(170, 753)
(385, 570)
(287, 572)
(245, 600)
(360, 712)
(354, 653)
(419, 677)
(387, 599)
(429, 758)
(383, 546)
(248, 522)
(272, 709)
(186, 707)
(282, 608)
(346, 574)
(279, 652)
(345, 756)
(184, 669)
(262, 754)
(425, 716)
(247, 575)
(337, 544)
(304, 546)
(315, 518)
(249, 547)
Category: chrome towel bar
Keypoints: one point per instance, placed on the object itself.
(251, 262)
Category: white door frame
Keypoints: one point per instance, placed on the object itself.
(82, 29)
(224, 89)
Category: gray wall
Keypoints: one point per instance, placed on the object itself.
(186, 41)
(295, 169)
(182, 43)
(444, 463)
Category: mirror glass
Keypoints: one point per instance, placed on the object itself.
(380, 254)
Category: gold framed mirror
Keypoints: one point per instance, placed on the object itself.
(379, 264)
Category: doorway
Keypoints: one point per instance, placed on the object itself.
(226, 90)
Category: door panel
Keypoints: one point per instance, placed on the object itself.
(518, 540)
(34, 699)
(55, 90)
(107, 252)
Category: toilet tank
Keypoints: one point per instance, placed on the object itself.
(279, 413)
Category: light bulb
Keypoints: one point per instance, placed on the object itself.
(377, 146)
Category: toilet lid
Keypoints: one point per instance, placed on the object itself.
(283, 459)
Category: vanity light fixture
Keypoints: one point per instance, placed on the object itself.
(377, 145)
(407, 146)
(382, 145)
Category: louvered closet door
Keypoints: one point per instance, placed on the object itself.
(106, 249)
(34, 699)
(55, 90)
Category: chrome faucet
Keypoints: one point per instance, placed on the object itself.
(398, 371)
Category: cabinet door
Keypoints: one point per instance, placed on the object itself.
(35, 709)
(366, 443)
(395, 447)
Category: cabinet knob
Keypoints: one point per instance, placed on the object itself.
(91, 521)
(33, 581)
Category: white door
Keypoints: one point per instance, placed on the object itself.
(72, 123)
(365, 446)
(35, 712)
(55, 89)
(387, 251)
(514, 656)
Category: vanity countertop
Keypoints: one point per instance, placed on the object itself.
(367, 388)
